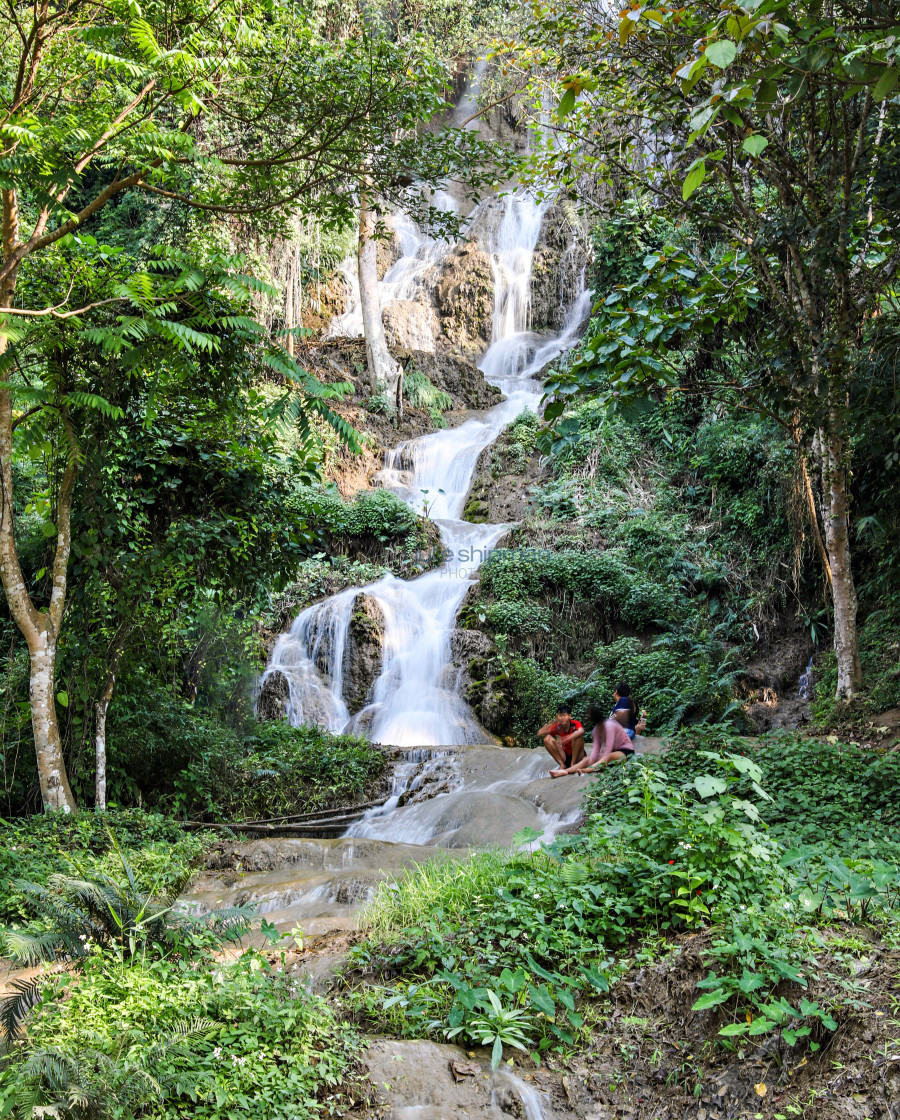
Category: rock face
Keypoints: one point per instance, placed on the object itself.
(486, 693)
(560, 257)
(412, 324)
(463, 381)
(273, 697)
(464, 295)
(363, 652)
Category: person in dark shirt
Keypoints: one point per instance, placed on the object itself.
(563, 738)
(624, 710)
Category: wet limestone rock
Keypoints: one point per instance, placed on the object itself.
(486, 690)
(273, 697)
(363, 652)
(559, 260)
(412, 324)
(464, 294)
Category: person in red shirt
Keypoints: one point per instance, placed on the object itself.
(564, 738)
(611, 744)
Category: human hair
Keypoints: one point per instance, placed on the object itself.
(594, 715)
(623, 690)
(563, 710)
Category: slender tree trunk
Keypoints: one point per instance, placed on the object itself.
(289, 305)
(39, 628)
(837, 541)
(811, 507)
(384, 371)
(100, 710)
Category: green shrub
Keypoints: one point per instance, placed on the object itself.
(505, 617)
(168, 1038)
(603, 579)
(421, 393)
(382, 404)
(376, 514)
(278, 770)
(832, 794)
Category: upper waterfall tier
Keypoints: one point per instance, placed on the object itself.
(414, 700)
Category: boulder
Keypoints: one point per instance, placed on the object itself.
(363, 651)
(463, 285)
(273, 697)
(412, 324)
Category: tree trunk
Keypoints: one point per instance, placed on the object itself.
(100, 710)
(55, 790)
(837, 541)
(39, 628)
(384, 372)
(289, 306)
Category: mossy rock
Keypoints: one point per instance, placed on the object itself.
(476, 511)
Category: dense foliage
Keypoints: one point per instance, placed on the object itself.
(514, 950)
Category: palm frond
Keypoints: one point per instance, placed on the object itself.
(14, 1008)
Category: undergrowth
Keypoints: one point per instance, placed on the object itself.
(278, 769)
(143, 1016)
(514, 949)
(158, 849)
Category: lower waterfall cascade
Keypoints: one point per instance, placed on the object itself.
(414, 701)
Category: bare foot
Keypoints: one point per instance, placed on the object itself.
(558, 773)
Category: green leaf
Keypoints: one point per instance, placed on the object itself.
(734, 1028)
(693, 181)
(566, 104)
(886, 83)
(496, 1053)
(542, 1000)
(62, 698)
(766, 94)
(707, 785)
(721, 53)
(710, 999)
(754, 145)
(595, 979)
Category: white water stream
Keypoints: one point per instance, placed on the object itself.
(415, 702)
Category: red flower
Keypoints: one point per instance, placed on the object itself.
(671, 861)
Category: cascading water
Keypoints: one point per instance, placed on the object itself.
(414, 701)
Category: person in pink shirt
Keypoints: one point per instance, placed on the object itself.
(611, 744)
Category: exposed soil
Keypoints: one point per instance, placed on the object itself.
(652, 1058)
(770, 683)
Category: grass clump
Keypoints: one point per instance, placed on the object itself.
(455, 887)
(422, 393)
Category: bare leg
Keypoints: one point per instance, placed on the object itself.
(554, 749)
(577, 750)
(616, 756)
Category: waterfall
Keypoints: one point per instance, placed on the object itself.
(414, 701)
